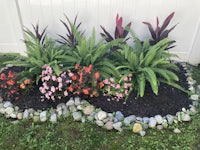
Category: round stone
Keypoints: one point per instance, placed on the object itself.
(117, 126)
(7, 104)
(9, 110)
(77, 116)
(101, 115)
(43, 116)
(19, 116)
(109, 125)
(119, 115)
(186, 117)
(53, 118)
(99, 123)
(159, 119)
(152, 122)
(142, 133)
(88, 110)
(137, 127)
(176, 130)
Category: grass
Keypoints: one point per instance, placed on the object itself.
(70, 135)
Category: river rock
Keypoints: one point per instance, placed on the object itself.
(7, 104)
(117, 126)
(77, 101)
(145, 119)
(159, 127)
(119, 115)
(25, 114)
(36, 118)
(77, 116)
(129, 120)
(137, 127)
(43, 116)
(99, 123)
(9, 110)
(176, 130)
(20, 116)
(70, 102)
(65, 112)
(109, 125)
(186, 117)
(152, 122)
(142, 133)
(101, 115)
(159, 119)
(170, 118)
(88, 110)
(53, 118)
(194, 97)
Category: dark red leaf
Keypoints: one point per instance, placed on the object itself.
(166, 22)
(151, 29)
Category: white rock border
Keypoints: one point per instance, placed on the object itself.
(83, 111)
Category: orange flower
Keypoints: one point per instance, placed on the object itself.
(70, 89)
(22, 86)
(10, 82)
(101, 84)
(97, 75)
(81, 77)
(10, 74)
(27, 81)
(86, 91)
(13, 91)
(76, 66)
(2, 76)
(74, 77)
(88, 69)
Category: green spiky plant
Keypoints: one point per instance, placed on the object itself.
(40, 50)
(148, 64)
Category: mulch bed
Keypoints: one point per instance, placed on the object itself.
(169, 100)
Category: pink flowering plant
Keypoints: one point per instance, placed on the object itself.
(119, 88)
(54, 87)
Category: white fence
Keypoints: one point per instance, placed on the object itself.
(92, 13)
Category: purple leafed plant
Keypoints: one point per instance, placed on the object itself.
(160, 32)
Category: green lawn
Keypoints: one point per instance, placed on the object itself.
(70, 135)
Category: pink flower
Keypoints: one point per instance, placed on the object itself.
(50, 93)
(47, 96)
(47, 78)
(126, 85)
(65, 93)
(53, 78)
(42, 90)
(117, 86)
(53, 89)
(53, 98)
(59, 79)
(112, 79)
(60, 85)
(70, 74)
(126, 79)
(106, 81)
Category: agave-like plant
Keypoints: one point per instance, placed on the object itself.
(148, 64)
(40, 51)
(159, 33)
(73, 35)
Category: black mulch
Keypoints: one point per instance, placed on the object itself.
(169, 101)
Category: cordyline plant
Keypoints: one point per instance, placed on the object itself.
(120, 32)
(159, 33)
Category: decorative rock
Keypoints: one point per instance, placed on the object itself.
(60, 113)
(72, 108)
(7, 104)
(142, 133)
(9, 110)
(195, 103)
(61, 105)
(90, 118)
(117, 126)
(137, 127)
(99, 123)
(88, 110)
(19, 116)
(25, 114)
(159, 119)
(165, 124)
(194, 97)
(36, 118)
(30, 110)
(193, 110)
(2, 110)
(101, 115)
(186, 117)
(53, 118)
(43, 116)
(65, 112)
(83, 120)
(13, 115)
(145, 119)
(198, 89)
(77, 101)
(170, 118)
(159, 127)
(139, 119)
(130, 119)
(152, 122)
(16, 108)
(77, 115)
(176, 130)
(70, 102)
(119, 115)
(80, 107)
(109, 125)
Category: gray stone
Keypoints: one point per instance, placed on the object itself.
(99, 123)
(165, 124)
(61, 105)
(145, 119)
(194, 97)
(80, 107)
(152, 122)
(53, 118)
(16, 108)
(193, 110)
(2, 110)
(195, 103)
(198, 89)
(77, 101)
(25, 114)
(83, 119)
(9, 110)
(43, 116)
(60, 113)
(186, 117)
(101, 115)
(170, 118)
(90, 118)
(176, 130)
(72, 108)
(119, 115)
(117, 126)
(109, 125)
(66, 112)
(129, 120)
(159, 127)
(88, 110)
(77, 115)
(142, 133)
(7, 104)
(139, 119)
(70, 102)
(105, 120)
(159, 119)
(13, 115)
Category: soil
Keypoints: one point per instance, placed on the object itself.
(168, 101)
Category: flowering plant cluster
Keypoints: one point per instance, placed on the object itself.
(26, 85)
(85, 80)
(9, 88)
(120, 89)
(54, 87)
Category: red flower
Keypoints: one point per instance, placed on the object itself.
(86, 91)
(10, 82)
(70, 89)
(76, 66)
(97, 75)
(27, 81)
(2, 76)
(13, 91)
(74, 77)
(101, 85)
(10, 74)
(81, 77)
(22, 86)
(88, 69)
